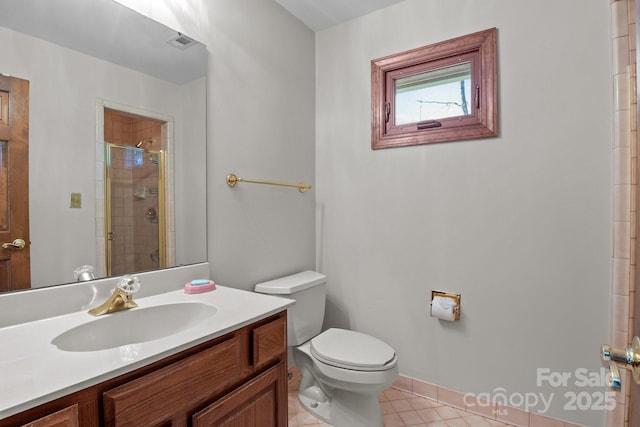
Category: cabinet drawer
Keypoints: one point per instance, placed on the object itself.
(269, 342)
(174, 391)
(67, 417)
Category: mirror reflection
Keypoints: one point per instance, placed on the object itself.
(102, 78)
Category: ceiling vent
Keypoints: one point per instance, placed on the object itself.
(181, 41)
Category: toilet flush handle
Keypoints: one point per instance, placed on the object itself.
(629, 356)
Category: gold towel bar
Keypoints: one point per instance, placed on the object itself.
(232, 180)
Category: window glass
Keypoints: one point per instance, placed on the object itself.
(436, 94)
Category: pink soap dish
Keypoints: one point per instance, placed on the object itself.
(198, 287)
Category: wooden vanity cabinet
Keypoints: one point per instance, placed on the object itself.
(238, 379)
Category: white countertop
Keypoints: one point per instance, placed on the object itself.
(34, 371)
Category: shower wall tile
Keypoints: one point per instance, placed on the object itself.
(620, 313)
(622, 88)
(622, 127)
(622, 396)
(620, 54)
(622, 165)
(621, 276)
(622, 240)
(622, 202)
(632, 305)
(625, 200)
(619, 18)
(616, 417)
(619, 339)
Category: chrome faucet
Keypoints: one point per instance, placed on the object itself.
(121, 298)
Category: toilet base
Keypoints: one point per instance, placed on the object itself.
(343, 409)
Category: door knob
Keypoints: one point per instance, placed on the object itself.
(16, 244)
(629, 356)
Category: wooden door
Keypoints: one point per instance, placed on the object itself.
(14, 184)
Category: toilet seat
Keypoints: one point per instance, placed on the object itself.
(352, 350)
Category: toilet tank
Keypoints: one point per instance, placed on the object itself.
(309, 290)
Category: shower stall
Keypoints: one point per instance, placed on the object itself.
(134, 185)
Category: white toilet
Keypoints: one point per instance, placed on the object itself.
(343, 371)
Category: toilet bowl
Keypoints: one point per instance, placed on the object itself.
(343, 371)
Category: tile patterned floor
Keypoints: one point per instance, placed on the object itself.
(399, 409)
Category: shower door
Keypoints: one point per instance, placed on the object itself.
(134, 209)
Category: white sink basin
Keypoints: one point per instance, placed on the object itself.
(132, 326)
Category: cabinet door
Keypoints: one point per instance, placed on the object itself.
(68, 417)
(175, 391)
(261, 402)
(269, 342)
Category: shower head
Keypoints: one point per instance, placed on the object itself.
(144, 141)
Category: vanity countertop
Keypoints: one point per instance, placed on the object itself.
(34, 371)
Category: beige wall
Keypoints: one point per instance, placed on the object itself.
(520, 225)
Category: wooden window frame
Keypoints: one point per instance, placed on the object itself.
(482, 122)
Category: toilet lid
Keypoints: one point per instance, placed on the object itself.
(351, 350)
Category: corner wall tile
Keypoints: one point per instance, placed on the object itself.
(621, 240)
(622, 202)
(451, 397)
(425, 389)
(620, 313)
(622, 128)
(622, 165)
(622, 88)
(619, 339)
(619, 18)
(615, 417)
(403, 383)
(537, 420)
(513, 416)
(620, 55)
(623, 289)
(620, 278)
(481, 407)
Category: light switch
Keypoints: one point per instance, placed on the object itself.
(76, 200)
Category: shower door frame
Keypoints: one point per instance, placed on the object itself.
(168, 139)
(161, 204)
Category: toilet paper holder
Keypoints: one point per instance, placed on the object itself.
(453, 296)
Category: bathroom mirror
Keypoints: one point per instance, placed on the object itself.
(80, 58)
